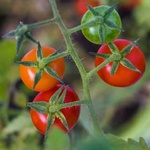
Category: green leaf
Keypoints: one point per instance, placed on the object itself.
(7, 56)
(41, 107)
(112, 142)
(56, 140)
(125, 62)
(21, 123)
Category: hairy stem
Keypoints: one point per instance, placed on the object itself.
(82, 71)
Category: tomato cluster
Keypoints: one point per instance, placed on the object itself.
(123, 71)
(39, 60)
(118, 62)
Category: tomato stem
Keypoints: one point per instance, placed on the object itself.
(113, 57)
(41, 24)
(66, 34)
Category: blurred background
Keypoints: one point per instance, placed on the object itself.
(122, 111)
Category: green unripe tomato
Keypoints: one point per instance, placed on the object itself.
(92, 33)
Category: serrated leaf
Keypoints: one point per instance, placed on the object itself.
(112, 142)
(41, 107)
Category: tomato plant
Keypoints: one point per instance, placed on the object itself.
(109, 25)
(123, 76)
(71, 113)
(46, 81)
(81, 7)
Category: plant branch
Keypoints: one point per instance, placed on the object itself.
(66, 34)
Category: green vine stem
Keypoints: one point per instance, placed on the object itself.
(82, 71)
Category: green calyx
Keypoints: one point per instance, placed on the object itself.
(21, 33)
(119, 57)
(51, 108)
(41, 65)
(103, 20)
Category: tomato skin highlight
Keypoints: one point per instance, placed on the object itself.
(71, 113)
(124, 76)
(81, 7)
(92, 33)
(46, 82)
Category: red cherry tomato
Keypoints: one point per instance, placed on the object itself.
(81, 7)
(46, 82)
(71, 113)
(124, 76)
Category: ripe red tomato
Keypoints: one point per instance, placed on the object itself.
(46, 82)
(124, 76)
(130, 4)
(71, 113)
(81, 7)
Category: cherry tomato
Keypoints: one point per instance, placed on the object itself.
(81, 7)
(124, 76)
(46, 82)
(92, 33)
(71, 113)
